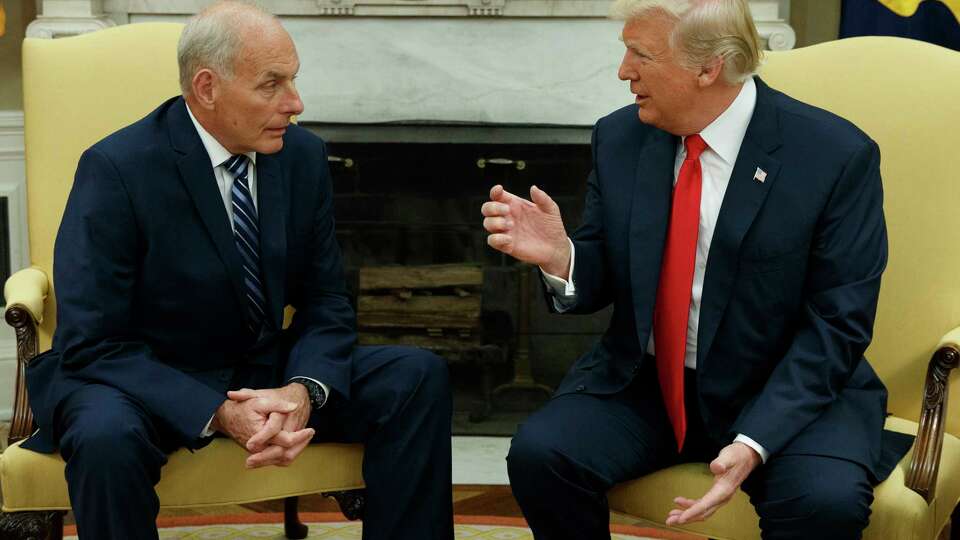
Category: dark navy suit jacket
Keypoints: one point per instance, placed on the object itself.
(147, 277)
(791, 283)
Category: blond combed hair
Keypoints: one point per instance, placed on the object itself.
(705, 30)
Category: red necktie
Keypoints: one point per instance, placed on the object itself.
(676, 282)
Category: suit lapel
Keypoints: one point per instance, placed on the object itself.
(197, 176)
(271, 197)
(742, 201)
(649, 215)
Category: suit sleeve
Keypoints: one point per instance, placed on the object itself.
(324, 319)
(848, 255)
(95, 273)
(593, 291)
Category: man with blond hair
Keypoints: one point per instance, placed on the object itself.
(739, 235)
(184, 237)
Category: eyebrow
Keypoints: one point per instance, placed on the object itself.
(270, 74)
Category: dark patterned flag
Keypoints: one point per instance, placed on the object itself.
(935, 21)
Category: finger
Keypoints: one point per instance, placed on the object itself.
(494, 209)
(543, 201)
(269, 405)
(270, 429)
(497, 224)
(288, 439)
(497, 193)
(292, 453)
(714, 498)
(684, 502)
(501, 242)
(270, 456)
(242, 395)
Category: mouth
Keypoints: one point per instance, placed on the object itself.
(641, 98)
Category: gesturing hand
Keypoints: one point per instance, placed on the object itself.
(730, 469)
(283, 436)
(529, 231)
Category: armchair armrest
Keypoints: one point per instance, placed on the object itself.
(27, 288)
(25, 292)
(922, 475)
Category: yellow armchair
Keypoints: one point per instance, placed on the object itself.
(76, 91)
(906, 95)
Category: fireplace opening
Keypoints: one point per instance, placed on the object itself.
(421, 273)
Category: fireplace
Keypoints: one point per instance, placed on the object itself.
(413, 204)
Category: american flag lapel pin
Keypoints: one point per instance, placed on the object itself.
(760, 175)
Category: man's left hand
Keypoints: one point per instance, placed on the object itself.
(730, 469)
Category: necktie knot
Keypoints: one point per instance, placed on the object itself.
(695, 145)
(236, 165)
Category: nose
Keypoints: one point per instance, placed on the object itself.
(626, 72)
(292, 104)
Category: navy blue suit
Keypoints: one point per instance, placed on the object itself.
(151, 330)
(789, 298)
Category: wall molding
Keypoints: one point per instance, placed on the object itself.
(11, 135)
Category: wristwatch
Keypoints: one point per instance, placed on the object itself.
(317, 396)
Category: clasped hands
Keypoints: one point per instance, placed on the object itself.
(269, 423)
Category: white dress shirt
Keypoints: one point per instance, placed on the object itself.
(723, 137)
(218, 158)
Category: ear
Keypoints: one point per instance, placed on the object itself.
(710, 72)
(205, 87)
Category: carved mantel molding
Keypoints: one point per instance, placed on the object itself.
(70, 17)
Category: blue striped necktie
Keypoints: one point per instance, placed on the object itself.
(246, 234)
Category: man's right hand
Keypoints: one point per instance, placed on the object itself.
(529, 231)
(240, 420)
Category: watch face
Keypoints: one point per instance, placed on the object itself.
(317, 395)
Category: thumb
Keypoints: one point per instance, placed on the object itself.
(241, 395)
(720, 465)
(543, 201)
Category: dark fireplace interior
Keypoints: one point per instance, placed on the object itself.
(417, 204)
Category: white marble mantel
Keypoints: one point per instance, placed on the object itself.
(492, 62)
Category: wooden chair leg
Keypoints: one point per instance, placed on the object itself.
(351, 502)
(46, 525)
(292, 526)
(952, 530)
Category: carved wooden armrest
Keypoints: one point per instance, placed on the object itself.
(25, 292)
(922, 476)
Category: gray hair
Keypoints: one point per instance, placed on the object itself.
(706, 29)
(212, 39)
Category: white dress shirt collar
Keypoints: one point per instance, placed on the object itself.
(217, 153)
(725, 134)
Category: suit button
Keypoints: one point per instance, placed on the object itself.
(636, 367)
(225, 375)
(581, 388)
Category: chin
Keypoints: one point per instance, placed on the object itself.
(270, 147)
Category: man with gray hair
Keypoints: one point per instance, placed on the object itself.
(739, 235)
(184, 237)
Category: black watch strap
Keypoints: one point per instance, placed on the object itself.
(317, 396)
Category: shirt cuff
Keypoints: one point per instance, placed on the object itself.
(207, 432)
(326, 389)
(764, 455)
